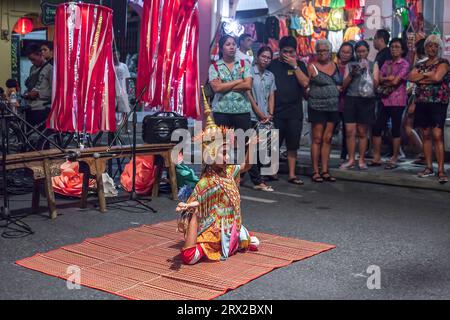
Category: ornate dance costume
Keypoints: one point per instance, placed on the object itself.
(220, 232)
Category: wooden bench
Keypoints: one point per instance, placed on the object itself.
(46, 164)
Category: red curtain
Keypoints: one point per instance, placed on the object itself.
(84, 76)
(168, 56)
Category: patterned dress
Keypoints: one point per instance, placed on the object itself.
(220, 231)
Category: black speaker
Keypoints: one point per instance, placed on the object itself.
(158, 128)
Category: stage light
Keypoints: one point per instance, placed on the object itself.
(233, 27)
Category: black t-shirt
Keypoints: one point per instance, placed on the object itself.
(289, 94)
(383, 56)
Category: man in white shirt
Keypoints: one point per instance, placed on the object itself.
(122, 73)
(245, 45)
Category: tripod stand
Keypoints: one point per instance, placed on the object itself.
(133, 194)
(5, 212)
(6, 111)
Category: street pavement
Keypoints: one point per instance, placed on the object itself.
(405, 232)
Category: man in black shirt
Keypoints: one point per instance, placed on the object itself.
(291, 79)
(380, 42)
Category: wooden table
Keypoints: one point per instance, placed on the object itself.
(93, 161)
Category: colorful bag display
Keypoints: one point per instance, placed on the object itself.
(336, 38)
(304, 46)
(337, 3)
(322, 3)
(309, 13)
(352, 4)
(306, 27)
(336, 20)
(321, 20)
(353, 34)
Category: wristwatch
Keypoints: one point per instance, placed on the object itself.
(296, 67)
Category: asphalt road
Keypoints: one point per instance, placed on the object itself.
(404, 232)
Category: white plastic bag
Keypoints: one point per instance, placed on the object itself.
(366, 84)
(108, 186)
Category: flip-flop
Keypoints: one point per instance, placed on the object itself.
(296, 181)
(346, 166)
(263, 188)
(374, 164)
(363, 166)
(391, 166)
(442, 178)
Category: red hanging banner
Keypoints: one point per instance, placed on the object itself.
(84, 76)
(168, 56)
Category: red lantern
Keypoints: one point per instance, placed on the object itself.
(24, 26)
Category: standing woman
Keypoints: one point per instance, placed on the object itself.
(359, 108)
(262, 99)
(411, 134)
(432, 98)
(345, 55)
(230, 79)
(323, 112)
(392, 81)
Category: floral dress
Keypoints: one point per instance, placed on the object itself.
(220, 231)
(433, 93)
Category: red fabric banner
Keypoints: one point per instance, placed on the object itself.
(84, 76)
(168, 56)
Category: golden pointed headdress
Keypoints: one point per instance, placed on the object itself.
(212, 131)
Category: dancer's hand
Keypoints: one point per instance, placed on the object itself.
(186, 206)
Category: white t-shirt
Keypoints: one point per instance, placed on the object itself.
(242, 56)
(122, 73)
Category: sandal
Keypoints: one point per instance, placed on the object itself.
(328, 177)
(363, 166)
(391, 166)
(374, 164)
(442, 178)
(296, 181)
(346, 166)
(427, 172)
(316, 177)
(263, 187)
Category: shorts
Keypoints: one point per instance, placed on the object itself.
(430, 115)
(359, 110)
(395, 113)
(317, 116)
(291, 131)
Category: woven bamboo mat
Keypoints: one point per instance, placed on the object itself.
(144, 263)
